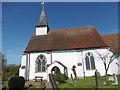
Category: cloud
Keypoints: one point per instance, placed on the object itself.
(10, 50)
(113, 31)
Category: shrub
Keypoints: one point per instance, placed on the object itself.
(109, 75)
(9, 71)
(61, 78)
(16, 83)
(109, 82)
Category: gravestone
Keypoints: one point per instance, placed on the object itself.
(16, 83)
(104, 83)
(97, 76)
(115, 80)
(72, 81)
(110, 78)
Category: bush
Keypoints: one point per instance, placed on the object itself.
(109, 82)
(61, 78)
(16, 83)
(9, 71)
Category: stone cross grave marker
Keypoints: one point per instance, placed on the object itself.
(111, 78)
(97, 76)
(115, 80)
(72, 81)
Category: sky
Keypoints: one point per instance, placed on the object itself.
(20, 18)
(0, 27)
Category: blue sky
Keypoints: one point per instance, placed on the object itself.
(20, 18)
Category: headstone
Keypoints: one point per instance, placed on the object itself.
(72, 81)
(104, 83)
(110, 78)
(97, 76)
(115, 80)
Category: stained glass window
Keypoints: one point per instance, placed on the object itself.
(40, 63)
(43, 65)
(39, 66)
(87, 63)
(90, 62)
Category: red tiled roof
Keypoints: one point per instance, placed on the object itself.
(112, 41)
(70, 38)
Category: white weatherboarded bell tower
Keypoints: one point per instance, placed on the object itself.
(42, 26)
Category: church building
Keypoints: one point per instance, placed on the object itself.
(52, 51)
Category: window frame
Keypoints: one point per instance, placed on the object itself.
(41, 64)
(89, 55)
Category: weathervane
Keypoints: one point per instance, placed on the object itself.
(42, 3)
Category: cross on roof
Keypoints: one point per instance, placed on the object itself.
(42, 3)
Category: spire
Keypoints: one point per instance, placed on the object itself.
(42, 20)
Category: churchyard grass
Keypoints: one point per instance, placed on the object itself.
(39, 86)
(5, 83)
(88, 82)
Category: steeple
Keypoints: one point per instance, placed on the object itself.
(42, 20)
(42, 26)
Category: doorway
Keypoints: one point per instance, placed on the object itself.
(55, 70)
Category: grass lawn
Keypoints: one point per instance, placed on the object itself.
(5, 83)
(38, 86)
(88, 82)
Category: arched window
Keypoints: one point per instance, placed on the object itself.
(40, 65)
(87, 63)
(92, 62)
(43, 65)
(89, 60)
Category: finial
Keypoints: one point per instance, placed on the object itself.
(42, 3)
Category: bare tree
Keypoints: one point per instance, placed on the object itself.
(3, 60)
(108, 58)
(2, 65)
